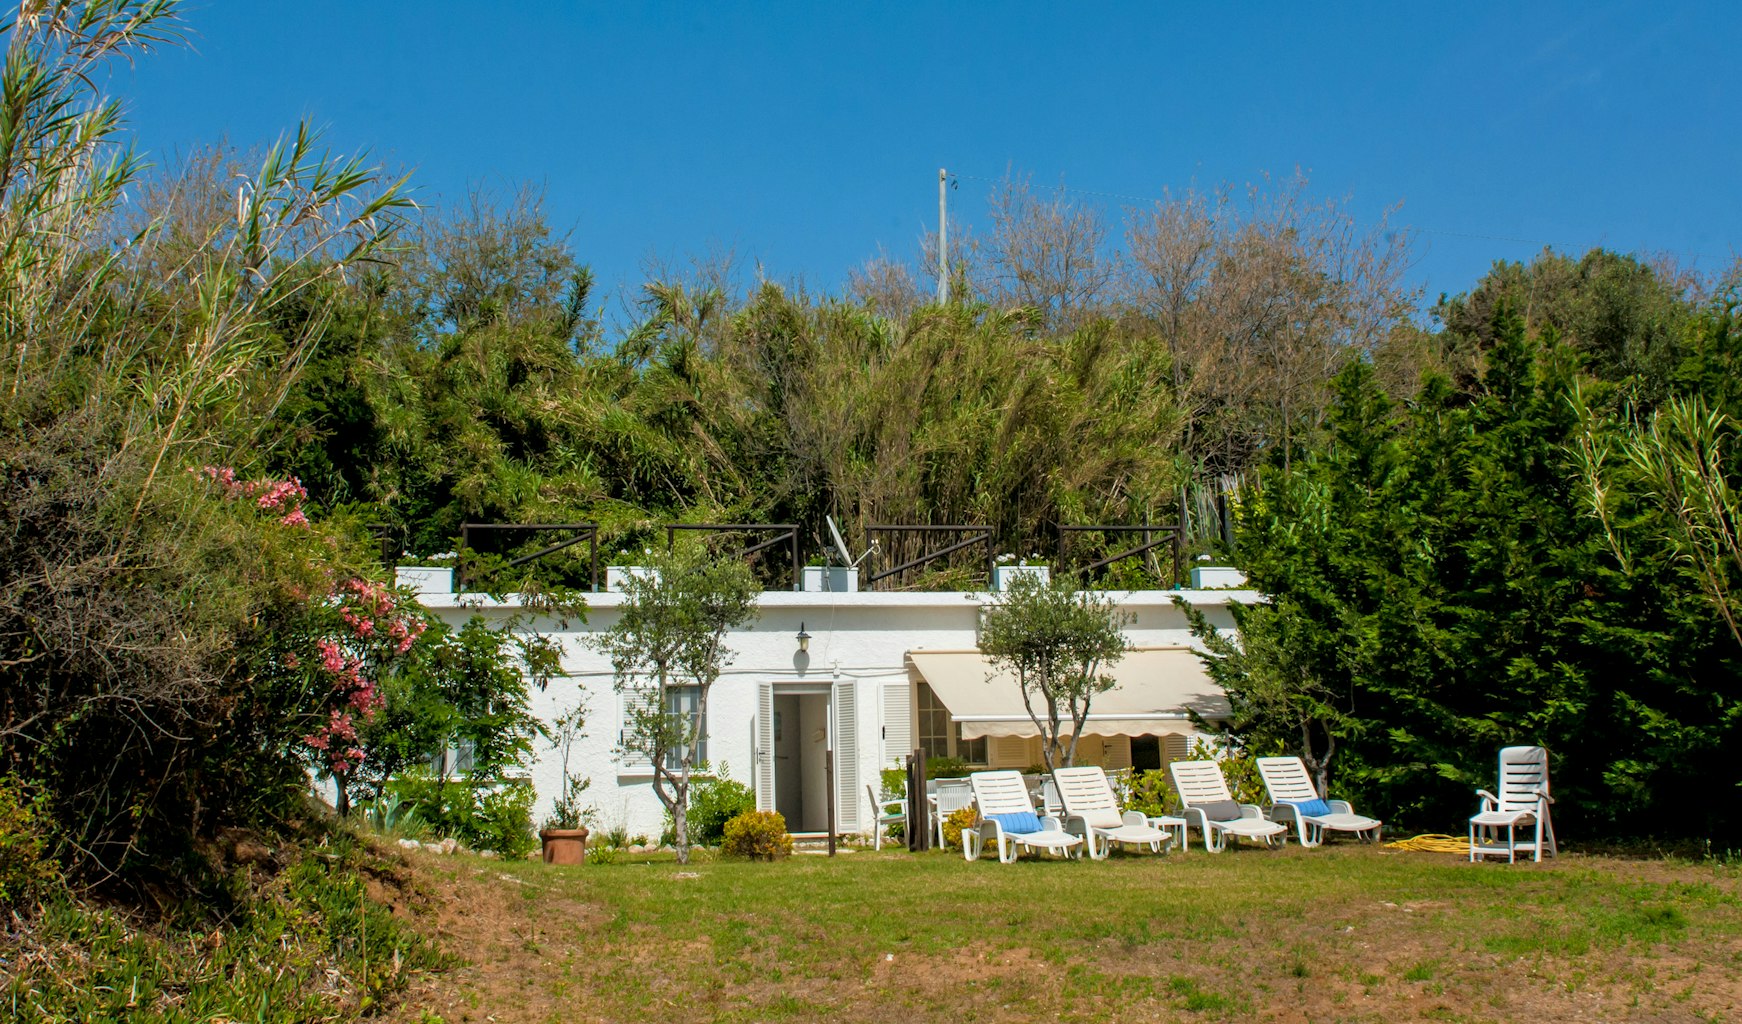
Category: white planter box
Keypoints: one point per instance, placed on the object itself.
(425, 579)
(1217, 578)
(1003, 574)
(615, 574)
(829, 579)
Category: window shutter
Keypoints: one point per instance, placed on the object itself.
(897, 721)
(634, 762)
(847, 793)
(1115, 751)
(1010, 752)
(1174, 748)
(764, 754)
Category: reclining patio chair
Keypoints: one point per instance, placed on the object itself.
(1092, 811)
(1007, 818)
(1210, 807)
(1294, 801)
(1523, 802)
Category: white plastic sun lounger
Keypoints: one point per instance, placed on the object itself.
(1523, 803)
(1211, 808)
(1294, 801)
(1007, 818)
(1092, 811)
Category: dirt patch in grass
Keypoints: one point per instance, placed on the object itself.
(1348, 934)
(507, 932)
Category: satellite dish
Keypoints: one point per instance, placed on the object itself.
(840, 544)
(841, 549)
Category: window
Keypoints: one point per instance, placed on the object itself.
(454, 759)
(681, 703)
(940, 737)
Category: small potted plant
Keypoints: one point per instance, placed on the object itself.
(1008, 568)
(564, 833)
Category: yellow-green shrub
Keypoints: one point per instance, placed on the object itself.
(965, 818)
(757, 835)
(25, 868)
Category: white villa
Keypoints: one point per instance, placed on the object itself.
(878, 675)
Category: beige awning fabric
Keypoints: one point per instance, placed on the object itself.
(1156, 688)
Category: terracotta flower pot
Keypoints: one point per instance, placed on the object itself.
(564, 845)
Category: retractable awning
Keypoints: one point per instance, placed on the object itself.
(1156, 689)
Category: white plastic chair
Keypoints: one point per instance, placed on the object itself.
(1288, 784)
(1199, 783)
(885, 817)
(1092, 811)
(952, 795)
(1050, 804)
(999, 793)
(1523, 802)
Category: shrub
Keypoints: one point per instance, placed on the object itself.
(947, 768)
(894, 782)
(25, 869)
(1150, 792)
(757, 835)
(483, 815)
(964, 818)
(715, 801)
(1239, 767)
(394, 818)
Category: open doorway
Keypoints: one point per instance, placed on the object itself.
(801, 743)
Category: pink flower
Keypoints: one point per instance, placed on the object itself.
(291, 660)
(296, 518)
(332, 659)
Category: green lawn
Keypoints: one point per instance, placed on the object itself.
(1346, 933)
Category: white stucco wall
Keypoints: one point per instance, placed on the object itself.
(860, 638)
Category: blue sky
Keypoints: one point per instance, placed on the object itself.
(804, 137)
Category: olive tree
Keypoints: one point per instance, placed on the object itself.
(668, 647)
(1055, 641)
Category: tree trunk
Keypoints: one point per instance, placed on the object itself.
(343, 801)
(680, 814)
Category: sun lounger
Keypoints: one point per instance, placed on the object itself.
(1294, 801)
(1211, 808)
(1007, 818)
(1092, 811)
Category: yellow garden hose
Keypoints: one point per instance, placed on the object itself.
(1432, 842)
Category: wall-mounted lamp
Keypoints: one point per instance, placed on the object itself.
(804, 639)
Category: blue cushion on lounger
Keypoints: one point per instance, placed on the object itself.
(1311, 808)
(1018, 823)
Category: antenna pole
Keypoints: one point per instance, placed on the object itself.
(943, 239)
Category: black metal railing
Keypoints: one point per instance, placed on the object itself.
(1169, 534)
(784, 533)
(981, 535)
(588, 532)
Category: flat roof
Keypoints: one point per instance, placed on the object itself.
(869, 599)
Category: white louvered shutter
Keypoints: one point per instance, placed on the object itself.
(897, 722)
(1010, 752)
(847, 794)
(634, 762)
(764, 746)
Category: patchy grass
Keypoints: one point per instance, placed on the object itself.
(321, 939)
(1347, 933)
